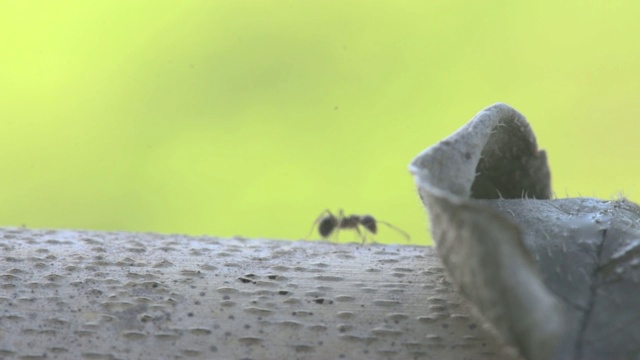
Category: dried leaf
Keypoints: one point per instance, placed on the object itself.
(555, 278)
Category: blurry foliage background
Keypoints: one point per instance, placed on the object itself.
(229, 117)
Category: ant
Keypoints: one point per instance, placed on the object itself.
(328, 222)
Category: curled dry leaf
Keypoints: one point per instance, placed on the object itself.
(555, 278)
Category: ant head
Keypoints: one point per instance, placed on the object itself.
(369, 222)
(327, 225)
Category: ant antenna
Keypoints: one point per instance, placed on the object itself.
(404, 233)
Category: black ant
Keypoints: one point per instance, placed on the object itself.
(328, 222)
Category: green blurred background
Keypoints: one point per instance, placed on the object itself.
(250, 117)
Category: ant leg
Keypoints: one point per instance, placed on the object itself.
(340, 218)
(363, 236)
(404, 233)
(322, 214)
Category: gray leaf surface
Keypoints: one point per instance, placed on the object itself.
(556, 278)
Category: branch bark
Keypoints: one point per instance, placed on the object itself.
(100, 295)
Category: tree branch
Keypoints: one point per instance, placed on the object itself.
(100, 295)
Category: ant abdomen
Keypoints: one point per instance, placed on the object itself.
(326, 226)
